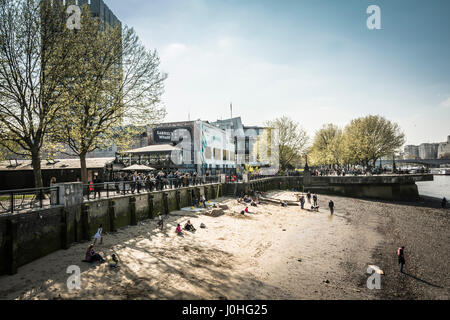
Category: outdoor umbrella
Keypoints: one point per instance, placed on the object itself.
(138, 167)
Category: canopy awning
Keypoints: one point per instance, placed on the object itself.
(156, 148)
(138, 167)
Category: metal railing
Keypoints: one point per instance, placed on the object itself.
(119, 188)
(17, 201)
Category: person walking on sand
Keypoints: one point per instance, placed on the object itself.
(302, 202)
(401, 258)
(160, 223)
(98, 235)
(315, 200)
(331, 206)
(444, 203)
(308, 196)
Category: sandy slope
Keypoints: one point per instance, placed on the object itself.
(271, 253)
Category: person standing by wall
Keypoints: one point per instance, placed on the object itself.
(97, 186)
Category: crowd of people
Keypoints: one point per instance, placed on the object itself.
(342, 172)
(131, 183)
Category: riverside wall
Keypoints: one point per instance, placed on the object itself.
(26, 237)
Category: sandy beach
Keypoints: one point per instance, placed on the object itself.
(270, 253)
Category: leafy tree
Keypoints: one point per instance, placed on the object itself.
(292, 140)
(112, 83)
(370, 138)
(327, 148)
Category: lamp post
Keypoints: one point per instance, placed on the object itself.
(394, 169)
(306, 165)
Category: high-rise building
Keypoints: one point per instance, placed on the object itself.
(428, 150)
(98, 9)
(444, 149)
(411, 152)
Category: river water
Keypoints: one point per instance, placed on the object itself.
(438, 188)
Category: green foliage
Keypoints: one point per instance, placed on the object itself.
(292, 140)
(363, 141)
(327, 148)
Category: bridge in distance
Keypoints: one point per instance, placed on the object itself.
(423, 162)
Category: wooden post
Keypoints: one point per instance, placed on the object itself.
(112, 215)
(133, 220)
(11, 246)
(150, 206)
(64, 229)
(178, 199)
(85, 222)
(166, 203)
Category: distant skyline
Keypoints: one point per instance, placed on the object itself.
(314, 61)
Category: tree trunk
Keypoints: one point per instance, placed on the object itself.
(84, 173)
(36, 163)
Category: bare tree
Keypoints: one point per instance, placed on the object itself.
(32, 62)
(112, 88)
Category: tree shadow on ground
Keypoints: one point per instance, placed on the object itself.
(182, 269)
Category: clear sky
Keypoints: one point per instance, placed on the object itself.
(312, 60)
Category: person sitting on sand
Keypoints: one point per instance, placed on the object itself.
(247, 199)
(253, 204)
(178, 230)
(113, 262)
(92, 256)
(284, 204)
(189, 226)
(98, 235)
(246, 210)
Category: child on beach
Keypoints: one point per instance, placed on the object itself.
(178, 230)
(160, 223)
(302, 202)
(113, 262)
(98, 235)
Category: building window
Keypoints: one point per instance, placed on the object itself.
(217, 154)
(208, 154)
